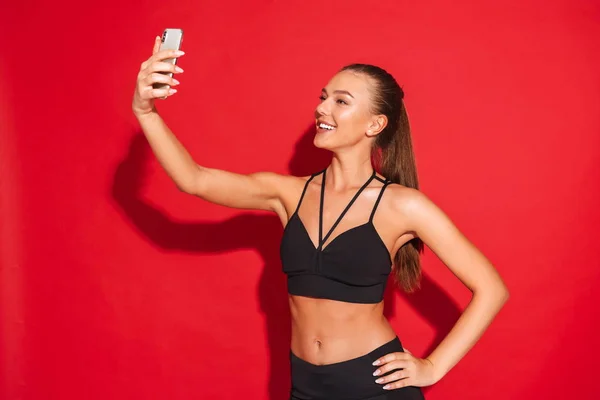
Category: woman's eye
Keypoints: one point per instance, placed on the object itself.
(341, 102)
(321, 97)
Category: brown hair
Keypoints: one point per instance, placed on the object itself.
(393, 155)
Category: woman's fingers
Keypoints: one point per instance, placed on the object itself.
(159, 66)
(401, 369)
(399, 384)
(160, 78)
(397, 364)
(150, 93)
(164, 92)
(398, 355)
(155, 63)
(393, 377)
(166, 54)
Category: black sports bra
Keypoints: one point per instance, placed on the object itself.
(353, 267)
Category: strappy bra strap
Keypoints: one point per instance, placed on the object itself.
(385, 185)
(304, 190)
(323, 240)
(321, 209)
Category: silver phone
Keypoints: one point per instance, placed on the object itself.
(171, 40)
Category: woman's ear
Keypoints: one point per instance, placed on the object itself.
(377, 124)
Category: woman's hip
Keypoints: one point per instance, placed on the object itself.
(346, 380)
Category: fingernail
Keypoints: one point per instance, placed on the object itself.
(377, 372)
(175, 81)
(179, 52)
(172, 91)
(386, 387)
(376, 362)
(178, 69)
(379, 380)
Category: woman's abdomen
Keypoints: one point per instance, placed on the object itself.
(329, 331)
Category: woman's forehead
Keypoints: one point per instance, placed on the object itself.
(356, 84)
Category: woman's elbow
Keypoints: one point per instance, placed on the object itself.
(493, 292)
(500, 293)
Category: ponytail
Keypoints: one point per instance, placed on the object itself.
(398, 165)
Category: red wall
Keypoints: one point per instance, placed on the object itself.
(116, 285)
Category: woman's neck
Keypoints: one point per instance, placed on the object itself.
(348, 172)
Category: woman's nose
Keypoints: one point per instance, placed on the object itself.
(322, 109)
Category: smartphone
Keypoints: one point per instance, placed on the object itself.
(171, 40)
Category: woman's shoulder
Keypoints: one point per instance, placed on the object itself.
(404, 199)
(301, 178)
(414, 208)
(401, 192)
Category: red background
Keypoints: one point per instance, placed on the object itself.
(116, 285)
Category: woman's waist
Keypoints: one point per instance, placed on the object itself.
(334, 341)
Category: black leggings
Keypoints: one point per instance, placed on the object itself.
(347, 380)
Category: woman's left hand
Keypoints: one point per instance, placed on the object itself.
(415, 371)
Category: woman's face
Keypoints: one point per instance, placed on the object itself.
(343, 117)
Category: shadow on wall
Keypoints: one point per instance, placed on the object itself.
(261, 233)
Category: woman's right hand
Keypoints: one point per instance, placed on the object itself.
(150, 73)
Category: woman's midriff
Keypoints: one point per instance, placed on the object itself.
(329, 331)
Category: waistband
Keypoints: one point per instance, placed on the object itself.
(349, 380)
(389, 347)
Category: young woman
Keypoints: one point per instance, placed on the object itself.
(346, 228)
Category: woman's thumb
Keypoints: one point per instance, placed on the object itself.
(156, 45)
